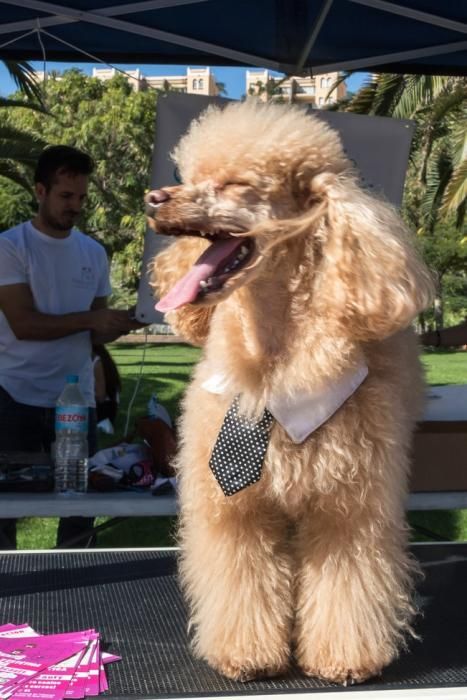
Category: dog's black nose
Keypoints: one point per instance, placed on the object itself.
(157, 196)
(153, 200)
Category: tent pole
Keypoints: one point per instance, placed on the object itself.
(313, 35)
(375, 61)
(417, 15)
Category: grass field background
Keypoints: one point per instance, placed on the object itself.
(165, 369)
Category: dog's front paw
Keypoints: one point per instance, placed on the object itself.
(342, 675)
(247, 670)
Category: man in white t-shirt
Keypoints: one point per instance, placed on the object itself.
(54, 281)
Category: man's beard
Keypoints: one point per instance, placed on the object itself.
(57, 224)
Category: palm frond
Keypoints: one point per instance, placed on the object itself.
(362, 101)
(461, 212)
(420, 90)
(339, 105)
(389, 89)
(25, 78)
(15, 135)
(379, 95)
(433, 122)
(458, 136)
(455, 194)
(447, 102)
(20, 147)
(341, 78)
(438, 175)
(7, 102)
(13, 172)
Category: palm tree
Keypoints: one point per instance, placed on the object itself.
(438, 104)
(18, 149)
(272, 89)
(221, 89)
(24, 76)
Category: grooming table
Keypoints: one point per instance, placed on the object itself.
(132, 598)
(121, 504)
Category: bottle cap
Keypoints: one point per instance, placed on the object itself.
(72, 379)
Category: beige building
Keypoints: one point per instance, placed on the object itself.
(196, 81)
(306, 89)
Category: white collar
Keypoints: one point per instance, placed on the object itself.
(300, 412)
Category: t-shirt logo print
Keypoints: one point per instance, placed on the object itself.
(84, 278)
(87, 274)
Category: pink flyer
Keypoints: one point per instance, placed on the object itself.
(41, 667)
(24, 657)
(109, 658)
(91, 686)
(76, 689)
(27, 631)
(103, 685)
(51, 683)
(11, 630)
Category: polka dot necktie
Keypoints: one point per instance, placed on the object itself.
(238, 455)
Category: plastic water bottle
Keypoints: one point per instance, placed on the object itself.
(71, 439)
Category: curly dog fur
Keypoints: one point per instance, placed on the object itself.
(312, 560)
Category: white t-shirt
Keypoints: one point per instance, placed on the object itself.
(64, 275)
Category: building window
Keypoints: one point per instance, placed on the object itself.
(195, 84)
(200, 84)
(321, 101)
(323, 82)
(329, 82)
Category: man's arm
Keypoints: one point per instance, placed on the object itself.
(27, 323)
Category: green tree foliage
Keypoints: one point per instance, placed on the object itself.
(115, 125)
(438, 105)
(16, 203)
(19, 149)
(436, 185)
(445, 251)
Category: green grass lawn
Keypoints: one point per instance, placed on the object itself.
(445, 366)
(165, 369)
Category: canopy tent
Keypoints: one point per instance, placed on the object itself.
(293, 36)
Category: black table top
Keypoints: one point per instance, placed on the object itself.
(131, 597)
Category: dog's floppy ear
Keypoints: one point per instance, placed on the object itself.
(370, 274)
(191, 322)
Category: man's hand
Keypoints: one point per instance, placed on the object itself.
(110, 324)
(110, 321)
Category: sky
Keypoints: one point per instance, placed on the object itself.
(233, 78)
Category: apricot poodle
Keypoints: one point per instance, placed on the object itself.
(301, 288)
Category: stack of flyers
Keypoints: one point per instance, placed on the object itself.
(52, 666)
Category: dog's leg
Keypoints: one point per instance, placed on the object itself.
(354, 582)
(235, 571)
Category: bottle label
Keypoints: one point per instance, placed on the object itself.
(73, 418)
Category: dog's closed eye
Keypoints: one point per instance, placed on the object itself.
(235, 184)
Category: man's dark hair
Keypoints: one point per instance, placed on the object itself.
(61, 159)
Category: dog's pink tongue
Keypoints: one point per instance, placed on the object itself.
(186, 290)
